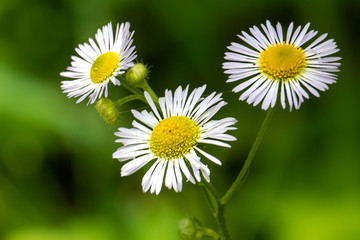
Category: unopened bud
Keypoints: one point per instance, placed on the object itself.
(107, 110)
(191, 229)
(136, 75)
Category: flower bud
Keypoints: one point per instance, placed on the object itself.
(136, 75)
(188, 229)
(107, 110)
(191, 229)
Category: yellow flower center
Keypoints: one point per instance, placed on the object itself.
(103, 67)
(282, 61)
(173, 137)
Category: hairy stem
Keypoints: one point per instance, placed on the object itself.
(243, 173)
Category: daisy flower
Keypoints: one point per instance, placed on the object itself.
(172, 138)
(273, 62)
(99, 63)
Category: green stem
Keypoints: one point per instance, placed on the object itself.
(211, 196)
(129, 98)
(240, 178)
(134, 90)
(153, 95)
(145, 87)
(222, 223)
(216, 208)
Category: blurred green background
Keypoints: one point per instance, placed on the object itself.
(58, 180)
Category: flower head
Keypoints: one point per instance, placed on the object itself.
(99, 63)
(173, 138)
(274, 62)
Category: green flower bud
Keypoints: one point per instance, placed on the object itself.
(136, 75)
(188, 229)
(191, 229)
(107, 110)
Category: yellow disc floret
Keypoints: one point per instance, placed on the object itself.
(103, 67)
(282, 61)
(173, 137)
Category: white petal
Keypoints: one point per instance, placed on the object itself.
(282, 95)
(178, 174)
(134, 165)
(214, 142)
(160, 177)
(289, 33)
(279, 32)
(152, 104)
(147, 179)
(186, 171)
(208, 156)
(170, 174)
(141, 127)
